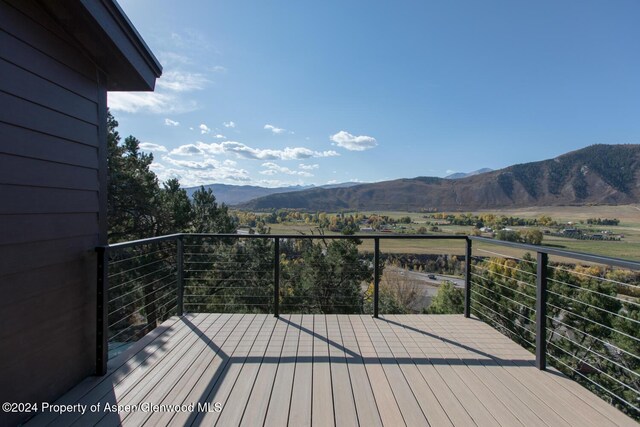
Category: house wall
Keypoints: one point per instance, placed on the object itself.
(52, 142)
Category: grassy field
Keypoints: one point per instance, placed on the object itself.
(627, 248)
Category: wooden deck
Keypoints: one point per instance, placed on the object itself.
(344, 370)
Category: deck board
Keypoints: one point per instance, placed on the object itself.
(280, 400)
(301, 395)
(365, 402)
(260, 393)
(180, 391)
(330, 370)
(343, 403)
(322, 394)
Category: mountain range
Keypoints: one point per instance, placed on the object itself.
(236, 194)
(598, 174)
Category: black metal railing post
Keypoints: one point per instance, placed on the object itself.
(276, 277)
(180, 276)
(102, 310)
(541, 311)
(467, 280)
(376, 276)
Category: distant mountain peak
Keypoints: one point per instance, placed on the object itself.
(460, 175)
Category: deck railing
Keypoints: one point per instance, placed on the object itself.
(579, 312)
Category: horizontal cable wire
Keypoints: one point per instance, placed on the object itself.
(138, 309)
(136, 257)
(230, 271)
(594, 322)
(136, 268)
(509, 267)
(506, 318)
(510, 330)
(579, 273)
(111, 288)
(138, 288)
(222, 287)
(495, 282)
(582, 288)
(228, 296)
(142, 297)
(606, 343)
(147, 325)
(593, 382)
(596, 368)
(502, 296)
(594, 306)
(508, 309)
(562, 336)
(502, 275)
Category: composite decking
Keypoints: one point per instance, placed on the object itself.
(342, 370)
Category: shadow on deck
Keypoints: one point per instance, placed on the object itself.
(254, 369)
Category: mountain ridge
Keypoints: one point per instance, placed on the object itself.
(460, 175)
(598, 174)
(236, 194)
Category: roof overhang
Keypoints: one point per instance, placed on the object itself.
(107, 35)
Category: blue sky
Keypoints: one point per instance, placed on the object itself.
(297, 92)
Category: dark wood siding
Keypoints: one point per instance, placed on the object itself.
(51, 152)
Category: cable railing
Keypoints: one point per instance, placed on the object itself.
(576, 312)
(137, 291)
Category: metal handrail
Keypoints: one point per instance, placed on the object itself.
(597, 259)
(541, 270)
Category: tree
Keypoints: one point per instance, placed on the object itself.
(175, 213)
(208, 216)
(132, 194)
(532, 236)
(448, 300)
(508, 235)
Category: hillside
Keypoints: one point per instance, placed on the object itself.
(236, 194)
(599, 174)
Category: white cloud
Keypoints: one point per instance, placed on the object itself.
(219, 69)
(275, 130)
(187, 150)
(168, 98)
(150, 146)
(189, 164)
(229, 124)
(152, 102)
(308, 167)
(449, 171)
(244, 151)
(333, 181)
(182, 81)
(229, 162)
(194, 173)
(219, 136)
(132, 102)
(169, 122)
(204, 129)
(353, 143)
(168, 58)
(273, 168)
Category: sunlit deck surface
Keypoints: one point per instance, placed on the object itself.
(346, 370)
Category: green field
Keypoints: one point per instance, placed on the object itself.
(627, 248)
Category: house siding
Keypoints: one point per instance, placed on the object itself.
(52, 182)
